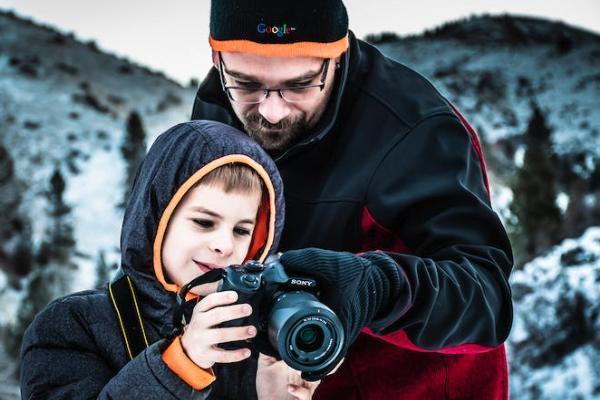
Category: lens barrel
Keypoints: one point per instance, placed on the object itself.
(306, 333)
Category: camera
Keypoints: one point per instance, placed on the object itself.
(292, 324)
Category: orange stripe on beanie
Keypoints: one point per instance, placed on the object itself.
(299, 49)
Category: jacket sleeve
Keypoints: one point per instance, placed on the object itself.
(429, 192)
(60, 359)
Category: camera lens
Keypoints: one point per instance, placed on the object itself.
(310, 338)
(307, 335)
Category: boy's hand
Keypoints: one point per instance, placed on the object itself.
(200, 337)
(275, 380)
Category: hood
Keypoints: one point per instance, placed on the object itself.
(177, 160)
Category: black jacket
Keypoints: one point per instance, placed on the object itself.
(74, 348)
(391, 166)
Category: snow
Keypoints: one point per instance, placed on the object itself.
(562, 201)
(569, 380)
(520, 156)
(10, 300)
(95, 193)
(554, 289)
(501, 198)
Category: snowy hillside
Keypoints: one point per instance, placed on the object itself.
(65, 103)
(554, 346)
(493, 67)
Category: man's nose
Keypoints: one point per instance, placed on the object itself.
(274, 108)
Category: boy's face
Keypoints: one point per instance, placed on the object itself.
(209, 229)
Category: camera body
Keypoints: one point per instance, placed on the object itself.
(292, 324)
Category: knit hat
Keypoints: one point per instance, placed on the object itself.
(280, 28)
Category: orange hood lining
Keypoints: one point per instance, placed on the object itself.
(186, 186)
(298, 49)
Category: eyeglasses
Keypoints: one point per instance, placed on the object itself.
(254, 94)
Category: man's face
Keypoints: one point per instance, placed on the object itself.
(276, 123)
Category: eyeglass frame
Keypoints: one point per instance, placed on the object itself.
(267, 91)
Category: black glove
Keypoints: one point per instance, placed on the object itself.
(359, 289)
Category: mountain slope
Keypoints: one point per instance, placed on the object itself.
(64, 105)
(493, 67)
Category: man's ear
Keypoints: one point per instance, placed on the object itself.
(337, 62)
(215, 59)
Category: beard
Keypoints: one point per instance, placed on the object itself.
(275, 137)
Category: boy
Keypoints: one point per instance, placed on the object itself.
(205, 197)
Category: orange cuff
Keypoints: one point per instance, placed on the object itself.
(180, 363)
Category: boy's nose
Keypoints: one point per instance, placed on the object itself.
(274, 108)
(222, 245)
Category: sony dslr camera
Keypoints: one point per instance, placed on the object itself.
(292, 325)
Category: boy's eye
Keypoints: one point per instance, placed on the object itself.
(204, 223)
(242, 231)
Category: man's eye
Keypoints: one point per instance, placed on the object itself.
(241, 231)
(204, 223)
(296, 84)
(248, 85)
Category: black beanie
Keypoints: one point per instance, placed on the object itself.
(317, 28)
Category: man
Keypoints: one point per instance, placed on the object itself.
(386, 194)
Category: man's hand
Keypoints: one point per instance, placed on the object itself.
(359, 289)
(275, 380)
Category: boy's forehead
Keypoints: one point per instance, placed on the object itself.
(214, 198)
(263, 68)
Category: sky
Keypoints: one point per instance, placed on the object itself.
(172, 36)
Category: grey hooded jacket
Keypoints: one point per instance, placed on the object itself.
(74, 348)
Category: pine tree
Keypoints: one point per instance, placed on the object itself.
(103, 270)
(15, 229)
(23, 255)
(578, 214)
(534, 192)
(7, 168)
(133, 150)
(52, 266)
(38, 293)
(59, 241)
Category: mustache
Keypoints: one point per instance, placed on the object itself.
(258, 121)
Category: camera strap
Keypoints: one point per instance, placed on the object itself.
(121, 291)
(184, 308)
(124, 301)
